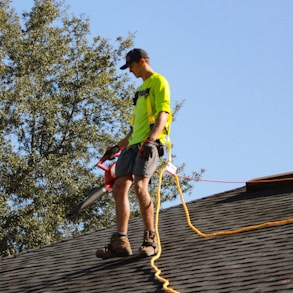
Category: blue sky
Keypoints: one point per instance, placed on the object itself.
(231, 61)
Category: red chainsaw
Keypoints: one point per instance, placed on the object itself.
(97, 192)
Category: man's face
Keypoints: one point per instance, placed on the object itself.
(136, 68)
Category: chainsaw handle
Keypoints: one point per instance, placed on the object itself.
(104, 159)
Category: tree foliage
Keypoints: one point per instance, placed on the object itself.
(63, 102)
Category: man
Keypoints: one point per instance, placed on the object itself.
(141, 149)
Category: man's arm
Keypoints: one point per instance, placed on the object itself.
(124, 142)
(159, 125)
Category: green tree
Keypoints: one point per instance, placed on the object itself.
(63, 102)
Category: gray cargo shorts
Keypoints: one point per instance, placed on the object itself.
(129, 162)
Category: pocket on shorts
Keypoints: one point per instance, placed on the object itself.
(146, 168)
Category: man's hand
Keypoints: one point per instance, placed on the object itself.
(110, 152)
(146, 149)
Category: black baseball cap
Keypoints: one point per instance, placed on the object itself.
(134, 56)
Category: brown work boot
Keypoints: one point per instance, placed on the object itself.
(149, 245)
(119, 246)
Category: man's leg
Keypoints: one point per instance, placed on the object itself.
(120, 191)
(119, 244)
(145, 202)
(149, 245)
(143, 171)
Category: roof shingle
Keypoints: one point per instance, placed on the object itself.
(255, 261)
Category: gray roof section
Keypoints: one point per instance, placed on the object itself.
(255, 261)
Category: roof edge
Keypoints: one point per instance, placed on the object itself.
(272, 181)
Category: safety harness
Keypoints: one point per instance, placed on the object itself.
(151, 117)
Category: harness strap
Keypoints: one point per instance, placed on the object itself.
(151, 117)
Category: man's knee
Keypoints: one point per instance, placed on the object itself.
(121, 185)
(141, 185)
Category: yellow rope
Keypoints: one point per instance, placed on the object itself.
(157, 256)
(229, 232)
(204, 235)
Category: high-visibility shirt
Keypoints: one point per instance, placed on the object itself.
(151, 98)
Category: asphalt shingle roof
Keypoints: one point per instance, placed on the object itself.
(255, 261)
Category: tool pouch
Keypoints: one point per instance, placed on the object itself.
(161, 148)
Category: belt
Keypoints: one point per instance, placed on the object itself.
(138, 145)
(134, 147)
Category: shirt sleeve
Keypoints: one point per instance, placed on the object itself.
(161, 92)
